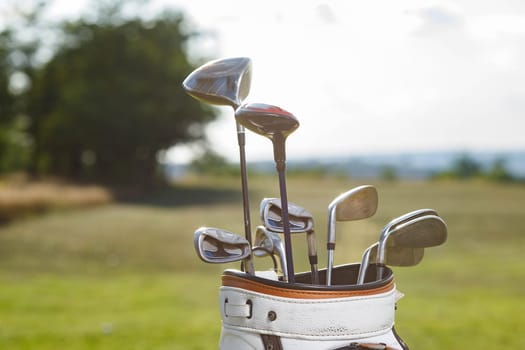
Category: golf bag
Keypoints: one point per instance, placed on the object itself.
(267, 314)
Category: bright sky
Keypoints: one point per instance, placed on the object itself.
(373, 76)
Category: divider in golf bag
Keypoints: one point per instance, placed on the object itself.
(264, 314)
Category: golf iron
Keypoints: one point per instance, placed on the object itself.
(355, 204)
(301, 221)
(419, 232)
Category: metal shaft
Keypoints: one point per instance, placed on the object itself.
(286, 221)
(241, 138)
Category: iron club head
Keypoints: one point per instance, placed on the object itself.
(395, 256)
(400, 221)
(219, 246)
(419, 232)
(272, 242)
(301, 221)
(271, 215)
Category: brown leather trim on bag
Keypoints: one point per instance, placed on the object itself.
(254, 286)
(271, 342)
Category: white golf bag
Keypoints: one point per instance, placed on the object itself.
(267, 314)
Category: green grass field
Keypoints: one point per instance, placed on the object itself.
(125, 275)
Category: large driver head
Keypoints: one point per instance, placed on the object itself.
(270, 121)
(221, 82)
(219, 246)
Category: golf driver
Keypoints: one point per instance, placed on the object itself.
(217, 246)
(275, 124)
(271, 242)
(355, 204)
(301, 221)
(419, 232)
(395, 256)
(226, 82)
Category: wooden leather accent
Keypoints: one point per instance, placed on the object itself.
(238, 282)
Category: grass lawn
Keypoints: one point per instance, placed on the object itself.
(125, 275)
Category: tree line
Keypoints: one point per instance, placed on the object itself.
(466, 167)
(95, 99)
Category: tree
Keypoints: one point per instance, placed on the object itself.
(388, 173)
(499, 172)
(210, 162)
(466, 167)
(110, 99)
(14, 143)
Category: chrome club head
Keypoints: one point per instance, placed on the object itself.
(355, 204)
(269, 121)
(221, 82)
(219, 246)
(301, 221)
(419, 232)
(395, 256)
(271, 241)
(422, 232)
(399, 221)
(271, 215)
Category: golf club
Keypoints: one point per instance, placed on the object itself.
(226, 82)
(405, 218)
(271, 242)
(397, 221)
(355, 204)
(419, 232)
(218, 246)
(260, 252)
(395, 256)
(275, 124)
(301, 221)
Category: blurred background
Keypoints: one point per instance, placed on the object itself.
(107, 167)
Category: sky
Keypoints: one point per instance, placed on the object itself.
(364, 77)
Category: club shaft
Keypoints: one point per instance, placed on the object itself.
(312, 255)
(365, 261)
(330, 254)
(330, 246)
(241, 138)
(381, 250)
(286, 222)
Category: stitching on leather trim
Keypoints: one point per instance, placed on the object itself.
(237, 282)
(309, 336)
